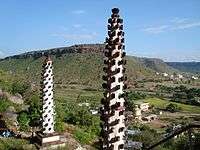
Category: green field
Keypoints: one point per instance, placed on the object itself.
(159, 103)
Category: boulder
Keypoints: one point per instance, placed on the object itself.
(17, 99)
(10, 117)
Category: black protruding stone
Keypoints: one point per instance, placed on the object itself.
(105, 86)
(123, 54)
(121, 113)
(115, 10)
(121, 129)
(110, 20)
(104, 78)
(121, 146)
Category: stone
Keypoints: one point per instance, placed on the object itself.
(17, 99)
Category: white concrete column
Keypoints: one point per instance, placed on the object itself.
(47, 97)
(112, 112)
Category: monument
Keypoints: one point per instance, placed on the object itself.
(113, 103)
(47, 137)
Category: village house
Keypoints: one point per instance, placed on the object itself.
(180, 76)
(150, 118)
(194, 78)
(165, 74)
(143, 106)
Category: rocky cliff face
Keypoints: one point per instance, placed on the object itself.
(82, 48)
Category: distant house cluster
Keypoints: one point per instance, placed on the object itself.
(176, 76)
(93, 111)
(141, 107)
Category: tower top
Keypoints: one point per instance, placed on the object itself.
(115, 10)
(48, 58)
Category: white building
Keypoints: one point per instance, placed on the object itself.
(157, 73)
(143, 106)
(180, 76)
(150, 118)
(165, 74)
(138, 113)
(194, 78)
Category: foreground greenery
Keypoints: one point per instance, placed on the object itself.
(161, 104)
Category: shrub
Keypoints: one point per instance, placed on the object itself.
(18, 87)
(84, 136)
(172, 108)
(12, 144)
(34, 111)
(23, 120)
(4, 103)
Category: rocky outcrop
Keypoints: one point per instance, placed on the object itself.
(82, 48)
(17, 99)
(10, 117)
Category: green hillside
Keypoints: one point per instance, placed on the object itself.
(85, 69)
(79, 64)
(157, 65)
(193, 67)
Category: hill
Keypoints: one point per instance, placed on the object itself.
(78, 64)
(157, 64)
(193, 67)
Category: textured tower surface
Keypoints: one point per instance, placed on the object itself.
(113, 103)
(47, 97)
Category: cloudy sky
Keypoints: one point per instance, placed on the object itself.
(167, 29)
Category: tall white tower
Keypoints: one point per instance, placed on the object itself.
(47, 138)
(47, 97)
(113, 103)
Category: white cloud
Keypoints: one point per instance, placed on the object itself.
(78, 12)
(77, 25)
(174, 24)
(88, 36)
(187, 25)
(157, 29)
(170, 55)
(2, 54)
(179, 20)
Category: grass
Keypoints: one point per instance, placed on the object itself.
(13, 143)
(77, 69)
(159, 103)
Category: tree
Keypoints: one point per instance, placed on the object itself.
(4, 104)
(172, 107)
(18, 87)
(59, 121)
(23, 120)
(34, 111)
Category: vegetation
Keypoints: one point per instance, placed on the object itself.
(161, 104)
(4, 103)
(12, 143)
(72, 67)
(172, 107)
(78, 80)
(193, 67)
(23, 120)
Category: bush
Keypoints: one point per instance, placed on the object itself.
(4, 103)
(172, 108)
(12, 144)
(23, 120)
(81, 116)
(34, 111)
(84, 136)
(18, 87)
(136, 95)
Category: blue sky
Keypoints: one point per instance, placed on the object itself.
(167, 29)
